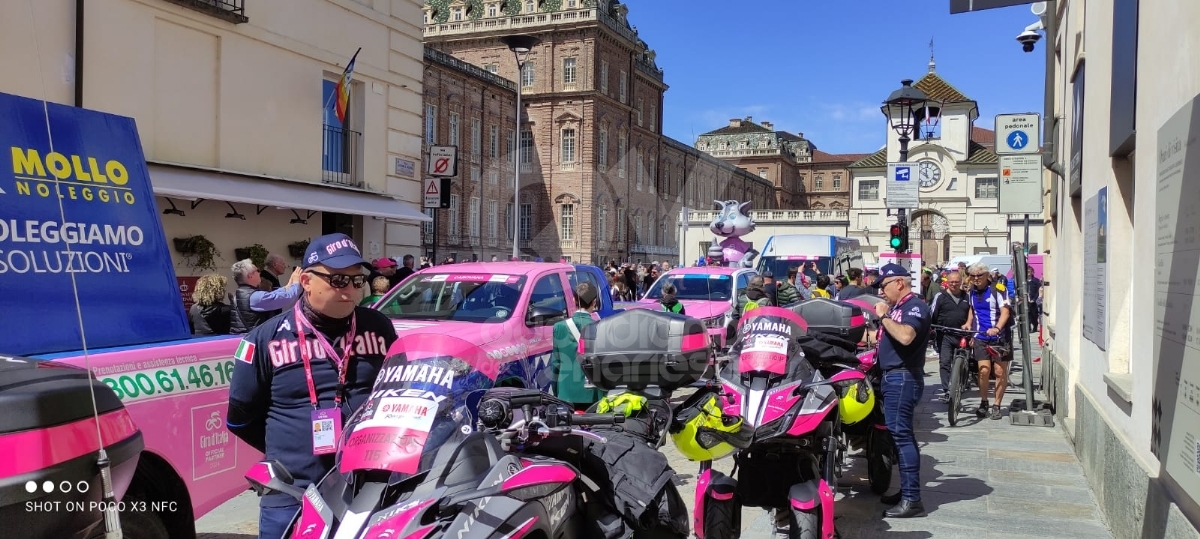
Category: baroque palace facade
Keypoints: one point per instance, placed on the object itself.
(599, 181)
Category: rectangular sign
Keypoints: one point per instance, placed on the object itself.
(966, 6)
(1175, 415)
(1021, 184)
(406, 168)
(1018, 133)
(442, 161)
(903, 190)
(433, 193)
(106, 237)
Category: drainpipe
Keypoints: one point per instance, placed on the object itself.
(1051, 28)
(79, 53)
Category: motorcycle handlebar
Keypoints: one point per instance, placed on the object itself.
(584, 420)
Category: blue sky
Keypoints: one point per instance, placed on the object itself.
(822, 68)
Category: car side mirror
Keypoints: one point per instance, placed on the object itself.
(542, 316)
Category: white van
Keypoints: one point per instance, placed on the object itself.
(996, 262)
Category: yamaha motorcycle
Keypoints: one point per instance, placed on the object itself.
(421, 461)
(791, 463)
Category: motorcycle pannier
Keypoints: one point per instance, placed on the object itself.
(639, 347)
(833, 317)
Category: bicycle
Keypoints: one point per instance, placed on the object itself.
(960, 370)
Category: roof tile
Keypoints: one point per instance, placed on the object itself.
(937, 89)
(875, 160)
(819, 156)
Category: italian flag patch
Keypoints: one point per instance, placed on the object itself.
(245, 352)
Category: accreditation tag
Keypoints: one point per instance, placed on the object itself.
(326, 430)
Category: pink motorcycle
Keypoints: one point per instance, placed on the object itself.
(791, 463)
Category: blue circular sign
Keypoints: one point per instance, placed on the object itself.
(1017, 140)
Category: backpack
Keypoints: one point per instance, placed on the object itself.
(750, 305)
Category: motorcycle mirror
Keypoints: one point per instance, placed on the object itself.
(271, 476)
(532, 482)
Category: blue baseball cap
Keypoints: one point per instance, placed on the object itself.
(336, 251)
(894, 270)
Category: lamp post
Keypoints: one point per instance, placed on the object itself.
(520, 45)
(900, 109)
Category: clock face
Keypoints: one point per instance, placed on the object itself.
(929, 174)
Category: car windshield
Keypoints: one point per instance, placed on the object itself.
(695, 286)
(466, 297)
(807, 265)
(422, 401)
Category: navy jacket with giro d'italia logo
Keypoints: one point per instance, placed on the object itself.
(269, 405)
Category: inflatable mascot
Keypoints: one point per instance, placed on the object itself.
(731, 224)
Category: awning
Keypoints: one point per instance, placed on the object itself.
(191, 183)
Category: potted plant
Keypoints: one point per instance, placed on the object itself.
(297, 248)
(199, 252)
(256, 253)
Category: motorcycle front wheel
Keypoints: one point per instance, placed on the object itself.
(881, 456)
(805, 524)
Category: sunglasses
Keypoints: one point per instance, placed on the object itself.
(977, 275)
(338, 280)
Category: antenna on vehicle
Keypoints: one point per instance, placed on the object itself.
(112, 519)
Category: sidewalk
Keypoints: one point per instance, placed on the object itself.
(983, 479)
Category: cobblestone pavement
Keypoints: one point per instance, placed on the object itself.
(983, 479)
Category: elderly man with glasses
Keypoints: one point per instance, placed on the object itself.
(300, 375)
(950, 308)
(901, 354)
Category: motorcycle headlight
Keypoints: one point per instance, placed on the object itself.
(715, 322)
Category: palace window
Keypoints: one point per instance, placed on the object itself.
(622, 89)
(493, 142)
(431, 124)
(837, 182)
(453, 129)
(527, 74)
(568, 146)
(602, 145)
(566, 221)
(987, 188)
(868, 190)
(604, 76)
(569, 71)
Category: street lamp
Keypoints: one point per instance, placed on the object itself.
(520, 45)
(900, 110)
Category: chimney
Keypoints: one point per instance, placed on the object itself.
(768, 125)
(734, 122)
(749, 119)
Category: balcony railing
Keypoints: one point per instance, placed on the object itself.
(774, 216)
(523, 21)
(233, 11)
(742, 153)
(340, 157)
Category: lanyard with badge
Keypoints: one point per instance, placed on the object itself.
(326, 422)
(899, 307)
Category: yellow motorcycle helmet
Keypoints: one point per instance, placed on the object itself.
(701, 431)
(857, 403)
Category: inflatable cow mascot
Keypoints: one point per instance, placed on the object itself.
(731, 224)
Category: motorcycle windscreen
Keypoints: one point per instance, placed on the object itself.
(424, 398)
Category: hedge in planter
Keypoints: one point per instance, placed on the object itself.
(256, 253)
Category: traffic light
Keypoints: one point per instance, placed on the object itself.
(899, 239)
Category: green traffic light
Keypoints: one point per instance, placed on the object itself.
(895, 243)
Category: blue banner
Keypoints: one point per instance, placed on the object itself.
(76, 202)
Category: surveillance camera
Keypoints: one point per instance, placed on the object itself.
(1030, 36)
(1027, 39)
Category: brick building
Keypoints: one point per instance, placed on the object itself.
(803, 176)
(473, 109)
(826, 180)
(599, 181)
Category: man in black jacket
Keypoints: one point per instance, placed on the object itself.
(950, 308)
(310, 366)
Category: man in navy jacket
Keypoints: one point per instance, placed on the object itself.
(272, 405)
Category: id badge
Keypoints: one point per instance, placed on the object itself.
(326, 430)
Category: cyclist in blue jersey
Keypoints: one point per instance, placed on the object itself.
(990, 316)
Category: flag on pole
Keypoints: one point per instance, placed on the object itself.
(343, 89)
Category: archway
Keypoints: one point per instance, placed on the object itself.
(929, 234)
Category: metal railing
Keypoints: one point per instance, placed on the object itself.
(233, 11)
(340, 157)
